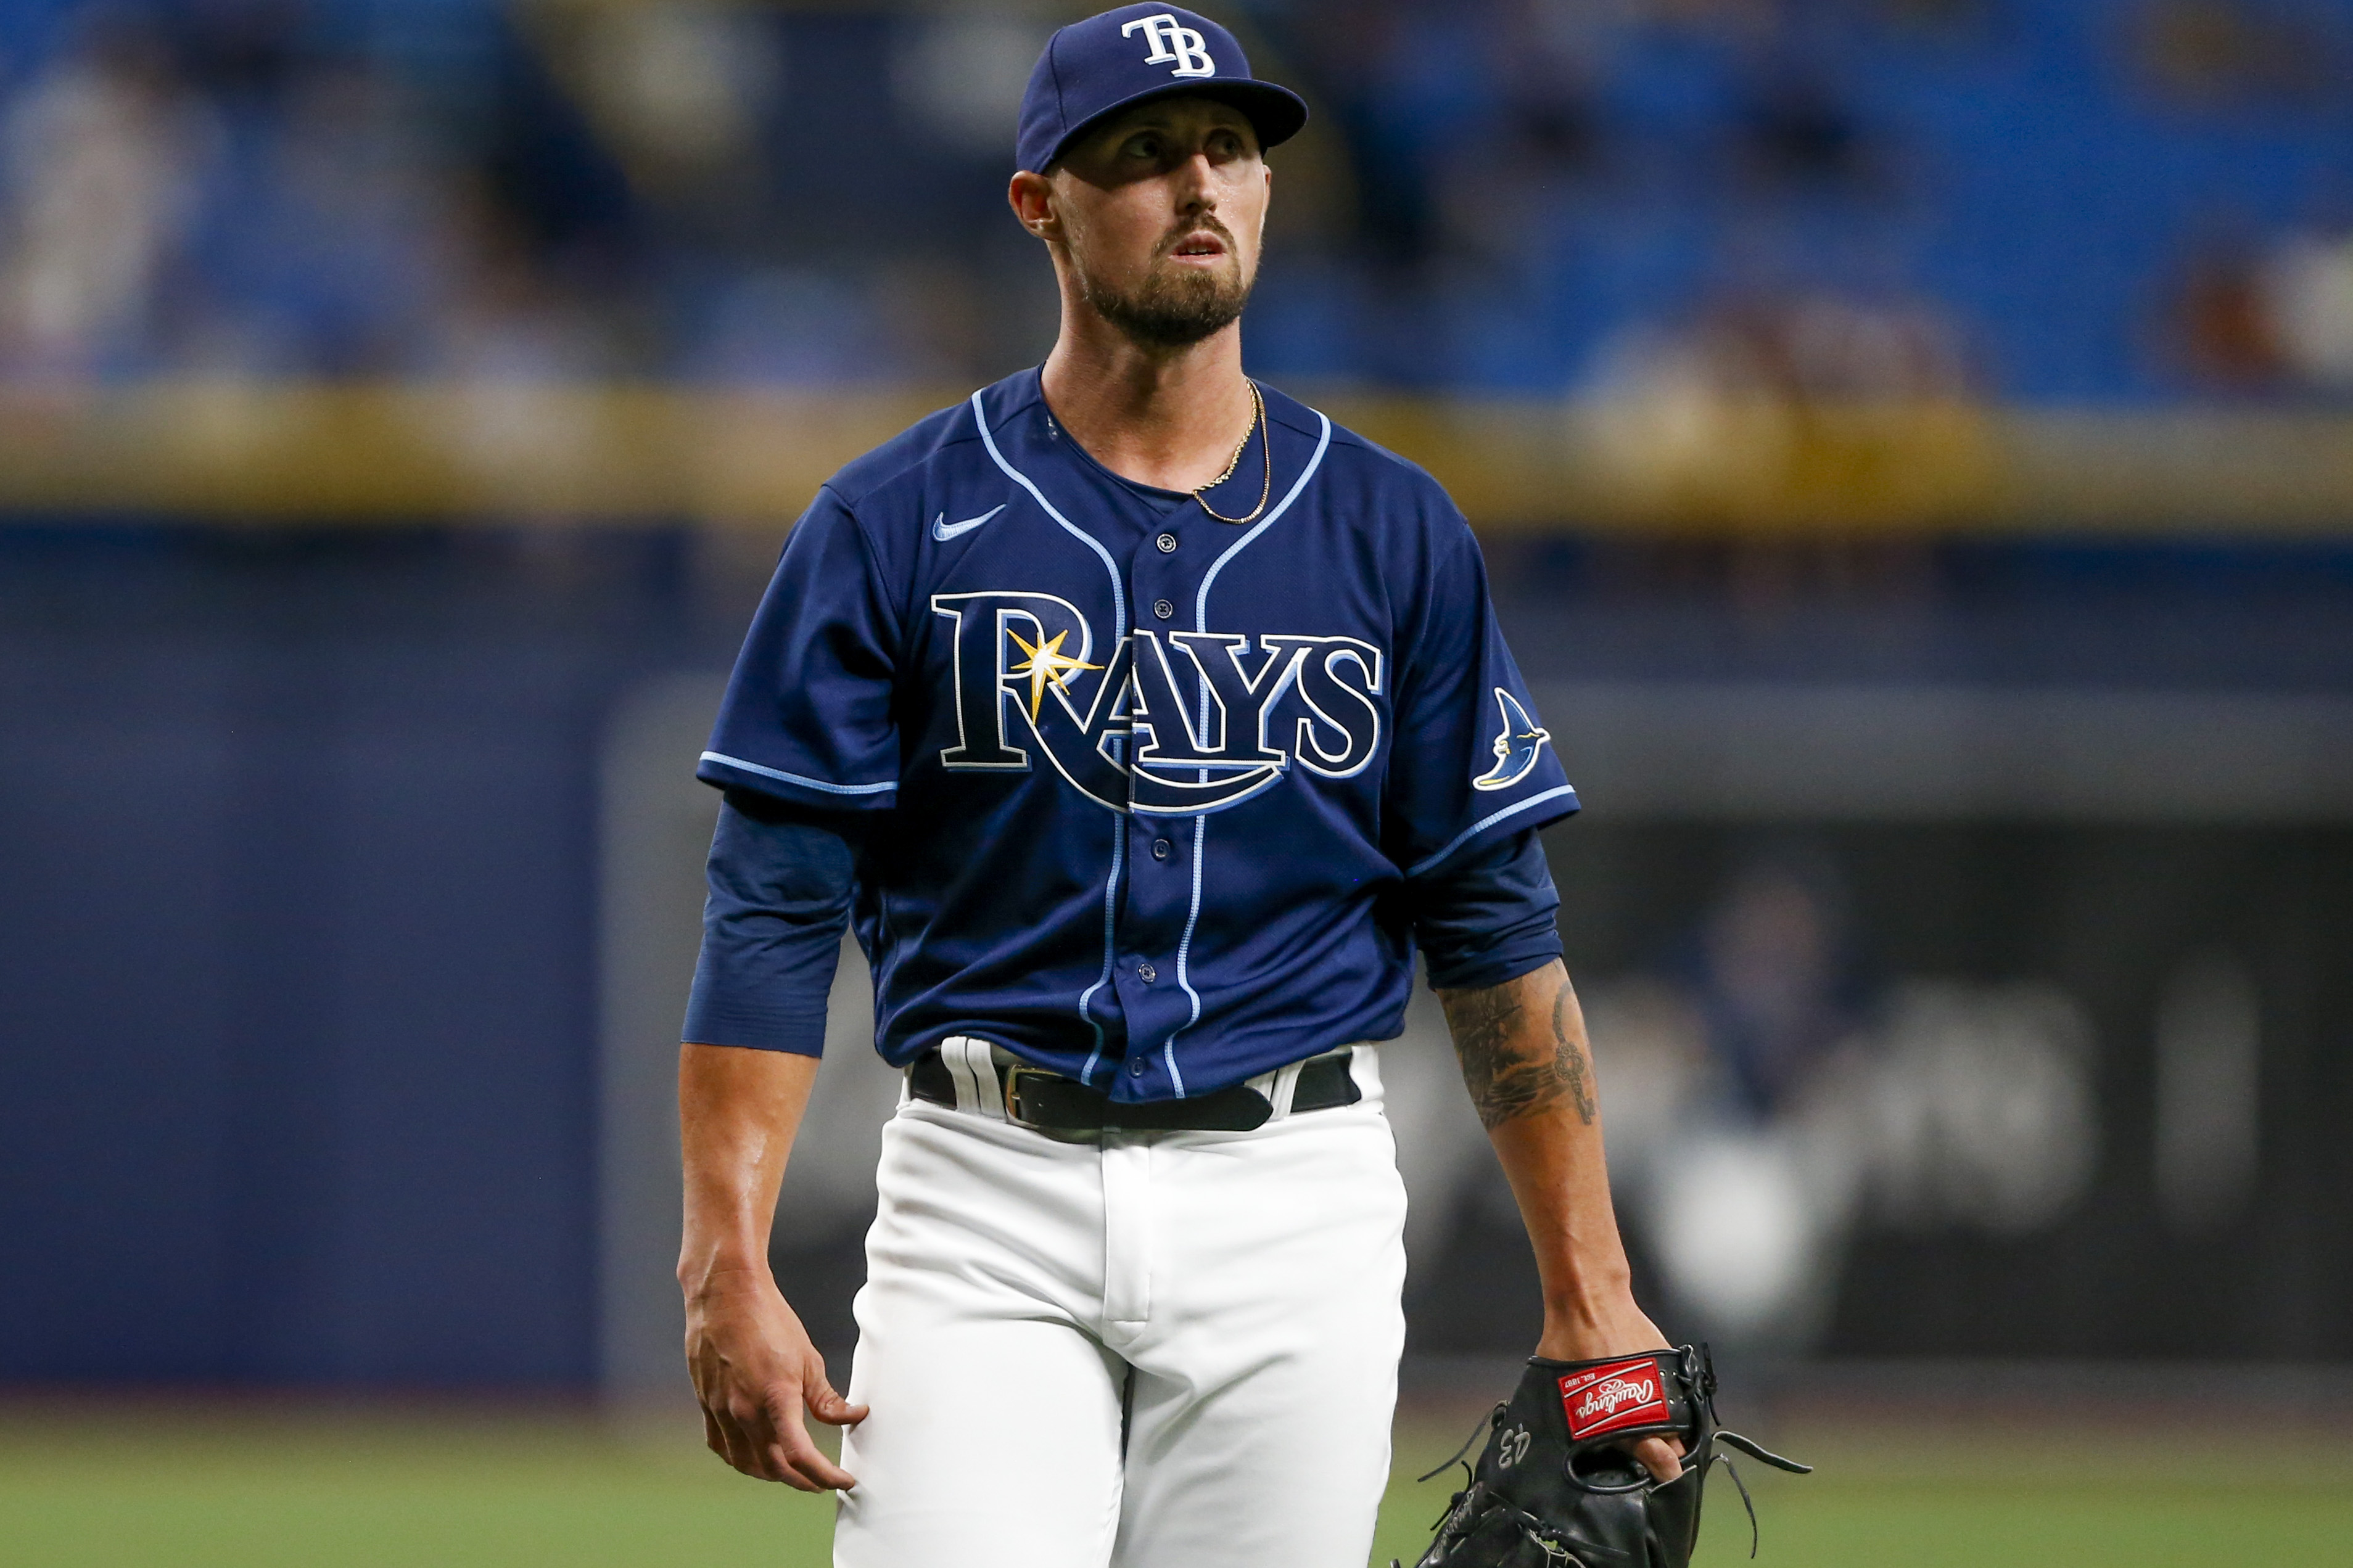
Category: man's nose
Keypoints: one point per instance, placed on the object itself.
(1195, 185)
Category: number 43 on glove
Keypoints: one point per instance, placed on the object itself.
(1555, 1486)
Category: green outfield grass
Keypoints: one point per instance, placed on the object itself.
(175, 1487)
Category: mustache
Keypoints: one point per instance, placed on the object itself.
(1206, 223)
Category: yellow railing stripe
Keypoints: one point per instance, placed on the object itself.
(368, 453)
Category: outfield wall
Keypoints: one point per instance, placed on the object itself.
(339, 967)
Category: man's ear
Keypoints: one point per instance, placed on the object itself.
(1031, 197)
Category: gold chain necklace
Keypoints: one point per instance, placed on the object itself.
(1266, 449)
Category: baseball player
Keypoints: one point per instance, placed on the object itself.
(1145, 723)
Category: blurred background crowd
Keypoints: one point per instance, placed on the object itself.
(2085, 199)
(1963, 898)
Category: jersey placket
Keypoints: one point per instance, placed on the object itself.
(1160, 903)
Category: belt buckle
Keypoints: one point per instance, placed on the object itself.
(1009, 1088)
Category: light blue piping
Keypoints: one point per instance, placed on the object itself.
(1119, 629)
(1118, 589)
(796, 779)
(1184, 959)
(1110, 937)
(1201, 602)
(1486, 821)
(1201, 824)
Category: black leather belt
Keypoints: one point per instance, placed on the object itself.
(1052, 1103)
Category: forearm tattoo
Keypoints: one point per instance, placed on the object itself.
(1512, 1064)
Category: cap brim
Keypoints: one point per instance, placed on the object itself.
(1276, 114)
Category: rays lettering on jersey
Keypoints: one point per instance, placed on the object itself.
(1176, 724)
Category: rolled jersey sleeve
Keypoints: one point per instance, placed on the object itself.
(1488, 915)
(1470, 761)
(780, 881)
(807, 714)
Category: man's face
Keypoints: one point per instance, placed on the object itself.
(1160, 212)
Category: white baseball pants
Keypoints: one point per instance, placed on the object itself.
(1169, 1350)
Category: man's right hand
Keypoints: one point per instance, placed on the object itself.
(754, 1368)
(755, 1373)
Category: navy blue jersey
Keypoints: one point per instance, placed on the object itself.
(1153, 783)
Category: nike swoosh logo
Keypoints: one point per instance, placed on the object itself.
(944, 530)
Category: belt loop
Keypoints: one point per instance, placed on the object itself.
(973, 1068)
(1285, 1087)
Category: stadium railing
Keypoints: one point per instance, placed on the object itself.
(211, 450)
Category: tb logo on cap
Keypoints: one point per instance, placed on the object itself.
(1172, 41)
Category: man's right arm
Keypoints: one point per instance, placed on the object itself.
(780, 881)
(753, 1367)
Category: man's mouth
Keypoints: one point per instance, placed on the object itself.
(1199, 244)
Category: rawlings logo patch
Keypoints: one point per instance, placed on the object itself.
(1612, 1398)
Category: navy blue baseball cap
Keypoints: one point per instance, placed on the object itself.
(1108, 62)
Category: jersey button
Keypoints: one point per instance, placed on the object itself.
(1146, 973)
(1135, 1068)
(1163, 609)
(1160, 849)
(1167, 542)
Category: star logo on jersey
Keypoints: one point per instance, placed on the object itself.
(1516, 747)
(1049, 665)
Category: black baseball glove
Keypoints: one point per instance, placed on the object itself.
(1555, 1486)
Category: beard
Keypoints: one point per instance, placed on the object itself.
(1174, 307)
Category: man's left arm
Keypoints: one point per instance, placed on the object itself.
(1525, 1062)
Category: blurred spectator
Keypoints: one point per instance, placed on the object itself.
(1772, 980)
(2221, 324)
(2269, 317)
(798, 327)
(1547, 56)
(1794, 402)
(2210, 52)
(1754, 1001)
(242, 50)
(683, 92)
(314, 253)
(1361, 56)
(2306, 288)
(1764, 1097)
(1494, 183)
(1798, 348)
(103, 154)
(1797, 130)
(963, 72)
(1718, 1069)
(500, 312)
